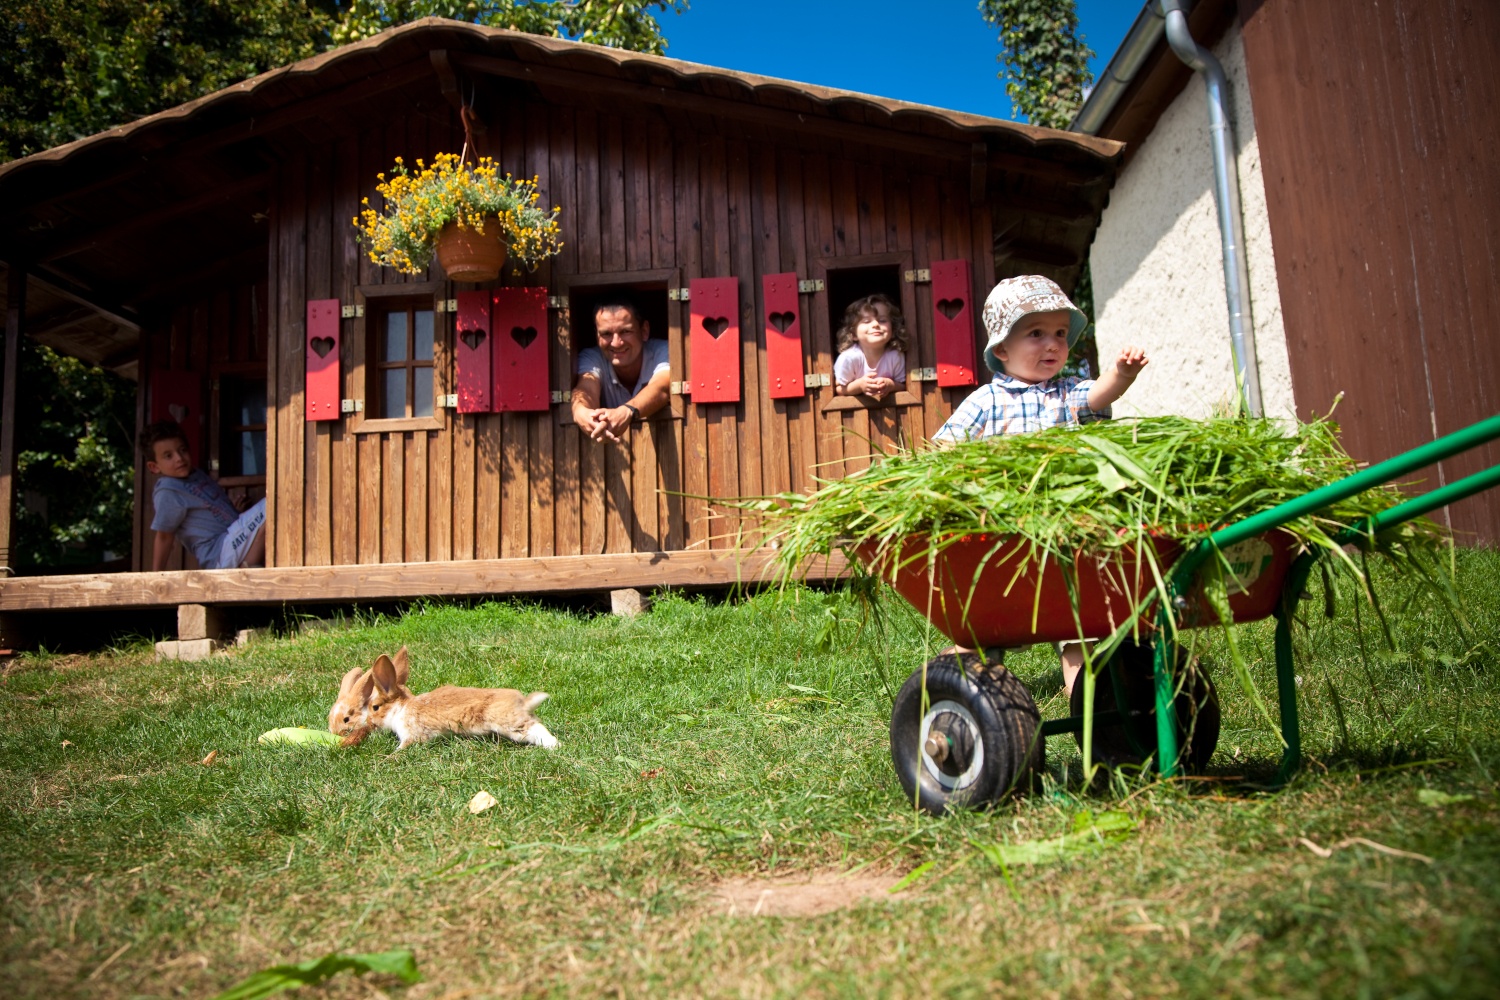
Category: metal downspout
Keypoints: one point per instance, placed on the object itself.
(1227, 198)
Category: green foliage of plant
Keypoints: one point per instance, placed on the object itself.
(419, 204)
(73, 422)
(1046, 61)
(269, 982)
(613, 23)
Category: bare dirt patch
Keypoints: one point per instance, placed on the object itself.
(798, 896)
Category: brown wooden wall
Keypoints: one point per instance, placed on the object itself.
(1376, 125)
(642, 198)
(212, 333)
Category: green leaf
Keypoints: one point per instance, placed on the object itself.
(268, 982)
(1436, 799)
(1091, 833)
(1110, 478)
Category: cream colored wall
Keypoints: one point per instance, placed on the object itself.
(1158, 269)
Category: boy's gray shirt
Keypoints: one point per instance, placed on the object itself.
(197, 510)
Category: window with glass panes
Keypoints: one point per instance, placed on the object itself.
(403, 365)
(242, 426)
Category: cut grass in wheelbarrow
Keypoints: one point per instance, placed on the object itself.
(1072, 534)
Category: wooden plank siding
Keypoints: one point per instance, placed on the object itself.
(642, 197)
(1382, 177)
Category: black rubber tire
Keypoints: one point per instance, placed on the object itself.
(1001, 725)
(1198, 716)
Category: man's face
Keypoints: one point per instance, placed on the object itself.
(1036, 346)
(172, 459)
(621, 337)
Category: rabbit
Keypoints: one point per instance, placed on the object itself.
(349, 716)
(461, 710)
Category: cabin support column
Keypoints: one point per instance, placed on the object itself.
(15, 314)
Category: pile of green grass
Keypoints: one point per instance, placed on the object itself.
(1086, 491)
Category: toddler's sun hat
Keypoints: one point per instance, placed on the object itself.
(1016, 297)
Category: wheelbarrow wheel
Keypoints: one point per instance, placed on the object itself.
(1129, 745)
(971, 742)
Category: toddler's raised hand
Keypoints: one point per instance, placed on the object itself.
(1130, 362)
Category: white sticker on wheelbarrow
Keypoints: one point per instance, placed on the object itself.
(1247, 561)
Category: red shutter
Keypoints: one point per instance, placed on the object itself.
(783, 336)
(179, 396)
(518, 331)
(471, 349)
(953, 322)
(715, 339)
(323, 386)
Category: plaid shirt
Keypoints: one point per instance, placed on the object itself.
(1009, 406)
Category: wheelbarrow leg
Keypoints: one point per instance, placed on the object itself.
(1286, 673)
(1166, 701)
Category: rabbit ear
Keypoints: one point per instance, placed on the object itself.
(363, 688)
(403, 672)
(353, 675)
(384, 674)
(534, 699)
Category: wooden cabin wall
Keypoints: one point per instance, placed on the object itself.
(638, 194)
(212, 332)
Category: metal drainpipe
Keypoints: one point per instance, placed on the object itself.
(1226, 196)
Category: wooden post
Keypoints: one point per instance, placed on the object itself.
(15, 313)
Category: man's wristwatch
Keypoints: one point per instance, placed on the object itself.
(634, 413)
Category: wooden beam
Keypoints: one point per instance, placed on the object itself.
(60, 287)
(548, 76)
(398, 581)
(15, 316)
(124, 227)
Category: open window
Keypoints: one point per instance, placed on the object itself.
(585, 293)
(846, 280)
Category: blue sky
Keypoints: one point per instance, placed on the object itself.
(936, 52)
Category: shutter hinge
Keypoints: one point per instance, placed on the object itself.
(560, 395)
(919, 275)
(815, 379)
(351, 312)
(923, 375)
(810, 285)
(448, 401)
(351, 406)
(554, 302)
(445, 306)
(679, 294)
(682, 388)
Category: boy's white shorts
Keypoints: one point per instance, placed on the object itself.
(241, 533)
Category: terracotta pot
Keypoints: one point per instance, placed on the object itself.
(470, 256)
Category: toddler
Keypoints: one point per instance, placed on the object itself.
(872, 349)
(1031, 326)
(193, 509)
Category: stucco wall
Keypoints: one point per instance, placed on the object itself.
(1158, 269)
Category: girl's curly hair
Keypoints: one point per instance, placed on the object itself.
(857, 311)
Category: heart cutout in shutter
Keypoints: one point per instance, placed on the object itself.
(472, 338)
(523, 335)
(782, 320)
(950, 307)
(178, 411)
(715, 325)
(321, 346)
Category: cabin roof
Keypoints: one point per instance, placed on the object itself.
(99, 220)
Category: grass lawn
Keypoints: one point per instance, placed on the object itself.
(711, 750)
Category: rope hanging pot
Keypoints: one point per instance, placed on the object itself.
(464, 253)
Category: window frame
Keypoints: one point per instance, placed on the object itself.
(373, 303)
(913, 299)
(652, 281)
(244, 373)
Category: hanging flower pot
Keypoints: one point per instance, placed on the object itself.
(469, 255)
(470, 216)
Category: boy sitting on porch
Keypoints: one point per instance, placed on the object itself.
(193, 509)
(1032, 325)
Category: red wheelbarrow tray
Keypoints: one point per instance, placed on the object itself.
(986, 590)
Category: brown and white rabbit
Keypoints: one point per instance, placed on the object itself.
(349, 716)
(460, 710)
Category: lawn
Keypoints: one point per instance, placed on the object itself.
(714, 749)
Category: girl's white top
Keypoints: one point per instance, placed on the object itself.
(851, 365)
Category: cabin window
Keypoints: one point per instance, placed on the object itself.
(403, 369)
(650, 303)
(849, 284)
(242, 426)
